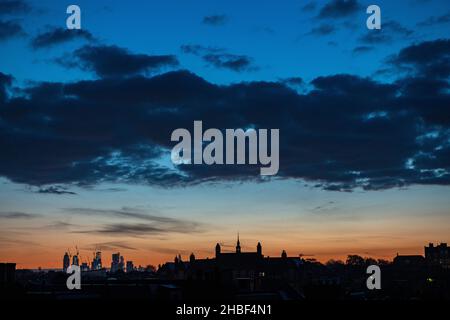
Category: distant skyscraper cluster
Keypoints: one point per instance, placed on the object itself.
(117, 262)
(97, 261)
(66, 261)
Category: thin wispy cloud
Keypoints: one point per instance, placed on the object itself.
(215, 20)
(58, 190)
(153, 225)
(220, 58)
(10, 30)
(339, 9)
(10, 7)
(435, 20)
(17, 215)
(109, 246)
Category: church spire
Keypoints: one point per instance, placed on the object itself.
(238, 245)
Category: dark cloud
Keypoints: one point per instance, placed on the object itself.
(219, 58)
(126, 229)
(122, 213)
(17, 215)
(5, 81)
(110, 246)
(310, 6)
(215, 20)
(425, 87)
(345, 132)
(293, 81)
(143, 229)
(390, 31)
(59, 225)
(10, 29)
(153, 224)
(339, 9)
(59, 190)
(429, 58)
(113, 61)
(59, 36)
(197, 49)
(362, 49)
(13, 7)
(432, 21)
(323, 30)
(232, 62)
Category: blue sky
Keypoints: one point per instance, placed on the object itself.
(275, 36)
(343, 183)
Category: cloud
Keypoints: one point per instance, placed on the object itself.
(293, 81)
(110, 246)
(232, 62)
(325, 206)
(146, 224)
(8, 7)
(390, 31)
(14, 241)
(142, 229)
(59, 225)
(10, 29)
(5, 82)
(59, 190)
(58, 36)
(429, 58)
(17, 215)
(113, 61)
(310, 6)
(123, 213)
(345, 132)
(362, 49)
(215, 20)
(432, 21)
(339, 9)
(323, 30)
(427, 66)
(219, 58)
(197, 49)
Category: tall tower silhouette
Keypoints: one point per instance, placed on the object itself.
(238, 245)
(259, 248)
(217, 250)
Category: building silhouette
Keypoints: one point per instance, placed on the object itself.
(7, 274)
(75, 260)
(117, 263)
(84, 266)
(246, 271)
(244, 275)
(66, 261)
(438, 255)
(97, 261)
(130, 266)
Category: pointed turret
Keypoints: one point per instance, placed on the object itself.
(238, 245)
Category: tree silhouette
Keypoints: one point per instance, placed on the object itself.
(354, 260)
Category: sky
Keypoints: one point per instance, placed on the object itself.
(86, 117)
